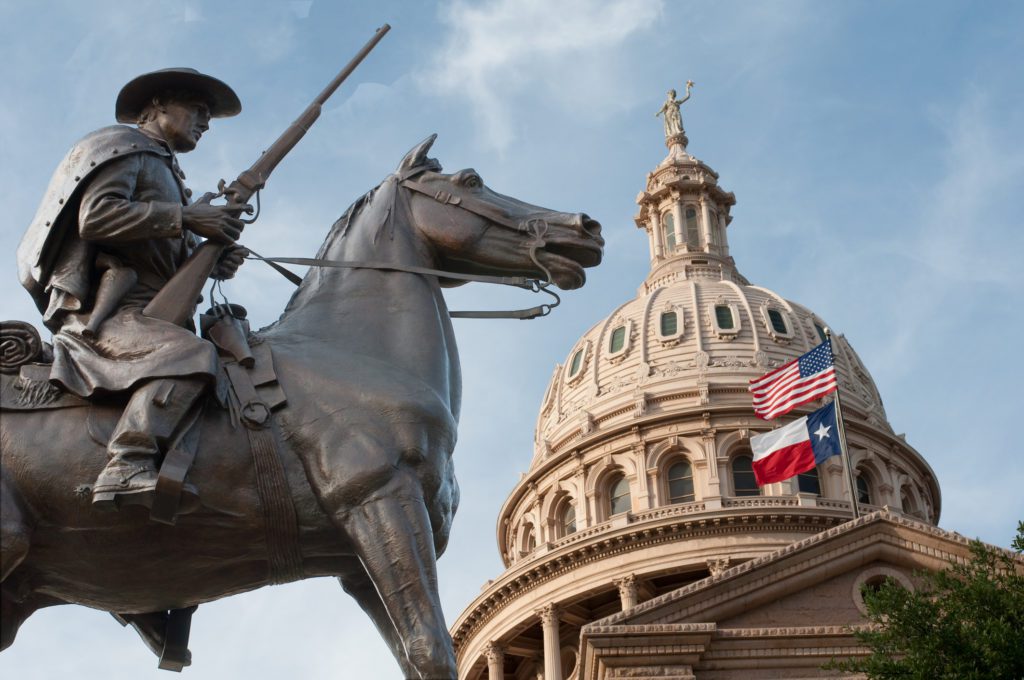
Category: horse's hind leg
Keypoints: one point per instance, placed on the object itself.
(396, 545)
(357, 583)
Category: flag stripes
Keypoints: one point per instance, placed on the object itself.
(797, 382)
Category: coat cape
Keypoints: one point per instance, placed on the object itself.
(54, 265)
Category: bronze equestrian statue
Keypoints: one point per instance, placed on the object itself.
(118, 204)
(351, 476)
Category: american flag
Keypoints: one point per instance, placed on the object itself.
(798, 382)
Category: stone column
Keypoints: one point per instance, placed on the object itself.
(627, 591)
(705, 222)
(552, 643)
(657, 238)
(495, 661)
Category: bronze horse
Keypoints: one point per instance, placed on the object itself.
(368, 361)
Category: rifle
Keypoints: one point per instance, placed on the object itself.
(176, 299)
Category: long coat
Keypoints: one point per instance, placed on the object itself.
(117, 199)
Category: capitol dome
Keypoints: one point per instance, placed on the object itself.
(640, 480)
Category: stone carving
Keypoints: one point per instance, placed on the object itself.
(377, 510)
(717, 565)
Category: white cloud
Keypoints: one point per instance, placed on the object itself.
(515, 49)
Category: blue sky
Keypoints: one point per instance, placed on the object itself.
(875, 149)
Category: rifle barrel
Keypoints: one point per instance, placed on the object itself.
(175, 301)
(351, 66)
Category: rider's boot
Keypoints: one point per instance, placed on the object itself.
(152, 417)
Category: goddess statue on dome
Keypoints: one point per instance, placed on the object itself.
(670, 110)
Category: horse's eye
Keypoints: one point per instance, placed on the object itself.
(473, 182)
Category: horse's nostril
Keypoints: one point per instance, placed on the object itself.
(590, 226)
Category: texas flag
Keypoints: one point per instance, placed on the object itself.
(796, 447)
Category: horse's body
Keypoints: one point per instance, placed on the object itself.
(368, 361)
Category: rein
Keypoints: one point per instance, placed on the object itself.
(537, 227)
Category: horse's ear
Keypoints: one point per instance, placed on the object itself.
(417, 156)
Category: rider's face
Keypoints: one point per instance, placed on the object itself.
(183, 122)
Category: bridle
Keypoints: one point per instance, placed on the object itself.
(535, 227)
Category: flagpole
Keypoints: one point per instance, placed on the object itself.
(851, 485)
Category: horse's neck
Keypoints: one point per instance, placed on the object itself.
(393, 317)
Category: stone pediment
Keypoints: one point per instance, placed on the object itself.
(790, 610)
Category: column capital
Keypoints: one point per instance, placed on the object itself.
(548, 613)
(627, 581)
(494, 652)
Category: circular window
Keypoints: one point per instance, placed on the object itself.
(873, 578)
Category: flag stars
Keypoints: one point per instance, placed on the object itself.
(823, 431)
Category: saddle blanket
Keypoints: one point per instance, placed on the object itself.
(31, 389)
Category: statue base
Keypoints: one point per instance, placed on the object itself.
(679, 139)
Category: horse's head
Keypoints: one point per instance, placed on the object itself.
(474, 230)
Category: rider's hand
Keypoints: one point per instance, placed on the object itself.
(214, 222)
(230, 260)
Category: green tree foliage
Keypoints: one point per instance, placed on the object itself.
(964, 623)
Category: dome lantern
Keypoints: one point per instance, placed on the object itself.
(683, 209)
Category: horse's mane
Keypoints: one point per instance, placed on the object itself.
(383, 206)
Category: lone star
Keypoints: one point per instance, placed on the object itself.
(822, 431)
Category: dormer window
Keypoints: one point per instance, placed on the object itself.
(777, 322)
(576, 364)
(726, 319)
(668, 325)
(723, 317)
(617, 341)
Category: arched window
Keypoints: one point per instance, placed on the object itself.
(692, 229)
(743, 481)
(618, 496)
(527, 540)
(907, 502)
(808, 482)
(668, 231)
(680, 482)
(567, 518)
(863, 490)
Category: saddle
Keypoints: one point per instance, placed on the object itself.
(247, 387)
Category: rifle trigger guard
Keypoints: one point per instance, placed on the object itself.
(249, 211)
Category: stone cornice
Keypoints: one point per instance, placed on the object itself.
(769, 515)
(647, 611)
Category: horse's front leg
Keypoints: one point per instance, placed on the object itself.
(357, 583)
(391, 532)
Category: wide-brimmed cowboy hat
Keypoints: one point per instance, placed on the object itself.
(139, 92)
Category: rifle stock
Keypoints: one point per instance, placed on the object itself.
(176, 299)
